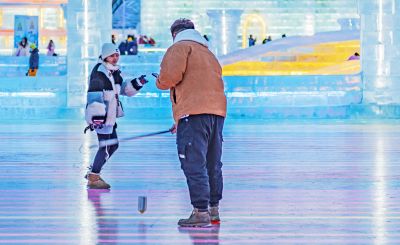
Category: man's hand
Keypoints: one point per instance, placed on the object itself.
(173, 129)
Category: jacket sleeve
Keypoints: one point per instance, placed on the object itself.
(173, 66)
(130, 88)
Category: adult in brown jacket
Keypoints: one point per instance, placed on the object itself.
(193, 75)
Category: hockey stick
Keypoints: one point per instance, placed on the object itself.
(130, 138)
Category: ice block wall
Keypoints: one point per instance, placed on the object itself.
(293, 17)
(225, 23)
(380, 47)
(89, 25)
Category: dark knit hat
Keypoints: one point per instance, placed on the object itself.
(181, 24)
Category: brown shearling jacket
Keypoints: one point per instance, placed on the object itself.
(194, 76)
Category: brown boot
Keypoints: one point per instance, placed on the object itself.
(214, 215)
(87, 174)
(95, 182)
(196, 219)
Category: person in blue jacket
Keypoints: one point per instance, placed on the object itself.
(33, 60)
(104, 107)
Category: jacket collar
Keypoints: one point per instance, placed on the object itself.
(191, 35)
(110, 67)
(107, 68)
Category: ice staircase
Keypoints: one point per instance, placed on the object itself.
(300, 77)
(307, 76)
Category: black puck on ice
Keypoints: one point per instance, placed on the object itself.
(142, 204)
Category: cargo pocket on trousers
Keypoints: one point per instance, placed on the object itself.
(183, 149)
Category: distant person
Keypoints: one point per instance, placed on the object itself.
(205, 37)
(252, 41)
(51, 49)
(132, 46)
(147, 41)
(264, 41)
(33, 61)
(23, 47)
(355, 56)
(152, 42)
(143, 40)
(113, 39)
(123, 47)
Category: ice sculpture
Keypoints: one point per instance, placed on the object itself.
(380, 39)
(255, 52)
(224, 33)
(89, 25)
(293, 17)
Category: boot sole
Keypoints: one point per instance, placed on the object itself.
(97, 188)
(196, 225)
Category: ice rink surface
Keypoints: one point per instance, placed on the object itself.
(286, 182)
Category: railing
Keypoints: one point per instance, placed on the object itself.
(116, 4)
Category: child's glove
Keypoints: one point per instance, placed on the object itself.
(138, 83)
(143, 80)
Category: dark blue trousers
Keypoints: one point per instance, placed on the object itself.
(199, 143)
(104, 152)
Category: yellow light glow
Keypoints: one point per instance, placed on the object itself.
(248, 20)
(60, 18)
(327, 59)
(42, 40)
